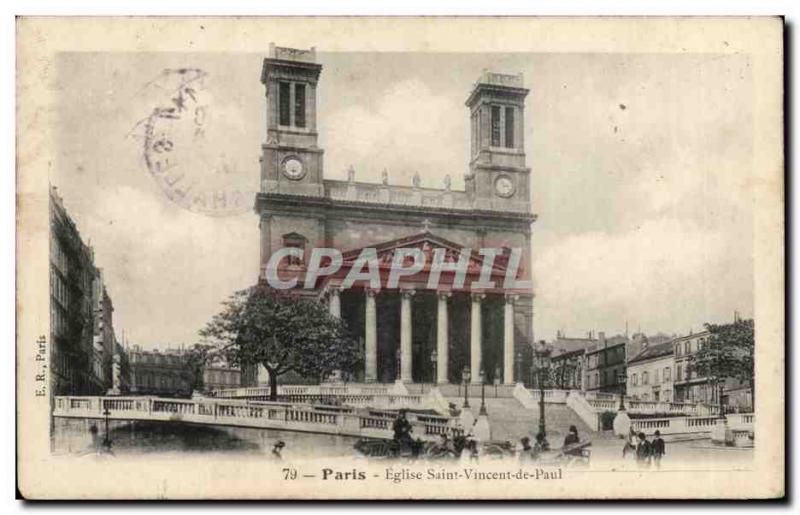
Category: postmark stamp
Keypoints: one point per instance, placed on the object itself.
(182, 148)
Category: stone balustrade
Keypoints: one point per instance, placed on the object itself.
(348, 421)
(375, 396)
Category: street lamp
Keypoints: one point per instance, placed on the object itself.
(542, 364)
(622, 379)
(483, 392)
(434, 359)
(107, 439)
(465, 376)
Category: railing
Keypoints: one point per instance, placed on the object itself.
(341, 420)
(377, 396)
(691, 425)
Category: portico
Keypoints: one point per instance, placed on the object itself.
(417, 333)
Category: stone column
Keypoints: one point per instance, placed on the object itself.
(335, 302)
(370, 339)
(476, 332)
(442, 338)
(508, 339)
(405, 336)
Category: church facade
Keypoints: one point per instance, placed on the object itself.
(412, 331)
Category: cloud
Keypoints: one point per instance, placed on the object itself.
(662, 275)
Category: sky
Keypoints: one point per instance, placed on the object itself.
(640, 177)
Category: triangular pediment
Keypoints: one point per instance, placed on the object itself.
(428, 243)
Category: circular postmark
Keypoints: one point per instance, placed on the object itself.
(190, 152)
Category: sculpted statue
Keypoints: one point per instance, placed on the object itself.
(447, 182)
(351, 174)
(385, 177)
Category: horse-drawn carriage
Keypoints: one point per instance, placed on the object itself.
(570, 455)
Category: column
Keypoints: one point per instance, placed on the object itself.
(370, 339)
(335, 302)
(405, 336)
(335, 309)
(475, 337)
(508, 339)
(442, 336)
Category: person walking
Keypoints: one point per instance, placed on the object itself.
(659, 448)
(277, 449)
(630, 443)
(644, 451)
(525, 450)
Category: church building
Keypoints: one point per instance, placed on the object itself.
(410, 332)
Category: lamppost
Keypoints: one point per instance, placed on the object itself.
(465, 376)
(107, 439)
(482, 377)
(622, 379)
(434, 359)
(397, 365)
(542, 365)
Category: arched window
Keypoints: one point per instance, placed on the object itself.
(644, 378)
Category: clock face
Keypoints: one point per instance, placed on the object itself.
(293, 168)
(504, 186)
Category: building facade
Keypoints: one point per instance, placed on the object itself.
(219, 375)
(605, 367)
(650, 373)
(692, 387)
(408, 332)
(154, 372)
(76, 363)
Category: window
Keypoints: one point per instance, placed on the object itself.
(678, 350)
(635, 379)
(509, 127)
(300, 105)
(284, 101)
(495, 126)
(687, 347)
(679, 373)
(645, 378)
(655, 376)
(667, 374)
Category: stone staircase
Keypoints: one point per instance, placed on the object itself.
(509, 420)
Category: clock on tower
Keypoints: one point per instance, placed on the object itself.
(498, 178)
(291, 161)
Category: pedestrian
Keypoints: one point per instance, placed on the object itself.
(644, 451)
(659, 448)
(526, 451)
(572, 436)
(630, 443)
(277, 449)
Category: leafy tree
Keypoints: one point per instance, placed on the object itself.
(727, 354)
(197, 357)
(562, 372)
(283, 332)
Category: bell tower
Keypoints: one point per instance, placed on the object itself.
(498, 179)
(291, 161)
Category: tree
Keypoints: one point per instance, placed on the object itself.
(283, 332)
(727, 354)
(563, 372)
(197, 357)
